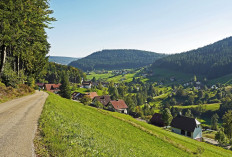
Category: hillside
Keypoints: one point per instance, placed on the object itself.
(211, 61)
(62, 60)
(116, 59)
(68, 128)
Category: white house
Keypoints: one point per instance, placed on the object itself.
(186, 126)
(87, 84)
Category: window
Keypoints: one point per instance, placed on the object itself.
(182, 132)
(189, 134)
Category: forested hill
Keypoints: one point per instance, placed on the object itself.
(62, 60)
(211, 61)
(116, 59)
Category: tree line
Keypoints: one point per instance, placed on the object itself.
(211, 61)
(23, 39)
(116, 59)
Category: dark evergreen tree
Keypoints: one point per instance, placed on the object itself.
(65, 90)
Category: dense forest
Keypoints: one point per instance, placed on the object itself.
(23, 40)
(62, 60)
(54, 73)
(116, 59)
(211, 61)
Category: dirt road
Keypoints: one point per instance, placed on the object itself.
(18, 123)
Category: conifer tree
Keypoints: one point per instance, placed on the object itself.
(65, 90)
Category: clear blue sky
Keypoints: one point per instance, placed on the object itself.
(163, 26)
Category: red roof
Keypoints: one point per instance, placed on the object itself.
(118, 104)
(52, 87)
(92, 94)
(40, 84)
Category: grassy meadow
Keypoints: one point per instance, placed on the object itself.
(68, 128)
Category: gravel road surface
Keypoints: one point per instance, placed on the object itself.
(18, 124)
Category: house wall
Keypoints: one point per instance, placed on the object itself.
(197, 133)
(177, 131)
(87, 86)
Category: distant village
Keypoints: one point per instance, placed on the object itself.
(186, 126)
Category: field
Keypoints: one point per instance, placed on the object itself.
(165, 75)
(207, 107)
(227, 79)
(108, 77)
(68, 128)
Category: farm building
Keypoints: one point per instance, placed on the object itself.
(157, 120)
(186, 126)
(54, 88)
(104, 100)
(77, 95)
(92, 95)
(118, 106)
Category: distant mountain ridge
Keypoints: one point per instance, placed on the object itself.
(116, 59)
(62, 60)
(211, 61)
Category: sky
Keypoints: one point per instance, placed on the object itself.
(162, 26)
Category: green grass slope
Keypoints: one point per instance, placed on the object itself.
(68, 128)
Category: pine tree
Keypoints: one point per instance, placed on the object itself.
(214, 122)
(65, 91)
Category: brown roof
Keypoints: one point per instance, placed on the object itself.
(184, 123)
(40, 84)
(52, 87)
(92, 94)
(157, 119)
(86, 82)
(105, 99)
(118, 104)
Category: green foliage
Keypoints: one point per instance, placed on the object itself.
(167, 116)
(116, 59)
(54, 73)
(23, 39)
(188, 113)
(214, 122)
(86, 100)
(65, 91)
(99, 105)
(221, 137)
(227, 123)
(211, 61)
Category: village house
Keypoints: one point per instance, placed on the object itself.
(157, 120)
(87, 84)
(92, 95)
(118, 106)
(77, 95)
(187, 126)
(40, 85)
(104, 100)
(172, 79)
(54, 88)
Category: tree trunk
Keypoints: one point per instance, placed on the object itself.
(18, 65)
(3, 59)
